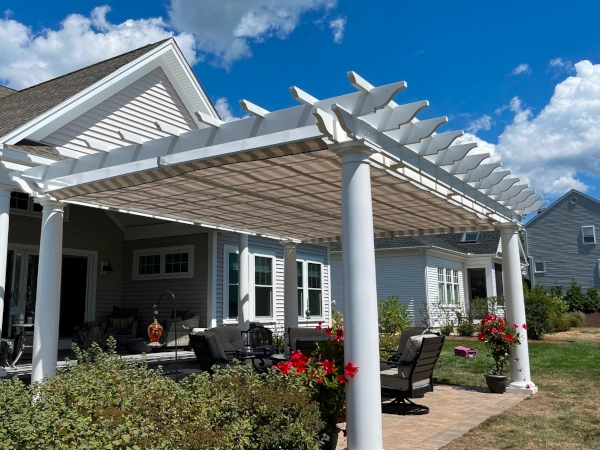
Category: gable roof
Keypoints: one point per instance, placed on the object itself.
(487, 243)
(558, 201)
(25, 105)
(5, 91)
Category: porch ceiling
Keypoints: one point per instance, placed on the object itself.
(285, 195)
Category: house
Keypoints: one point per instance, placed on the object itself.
(116, 258)
(562, 242)
(276, 185)
(432, 270)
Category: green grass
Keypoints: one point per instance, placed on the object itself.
(565, 414)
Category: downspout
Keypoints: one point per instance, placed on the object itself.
(528, 258)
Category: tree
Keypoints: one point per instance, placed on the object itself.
(393, 315)
(575, 297)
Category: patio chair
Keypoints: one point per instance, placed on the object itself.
(184, 327)
(412, 375)
(220, 346)
(304, 339)
(405, 335)
(260, 341)
(123, 324)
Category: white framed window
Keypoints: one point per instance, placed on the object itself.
(539, 267)
(231, 282)
(162, 263)
(310, 288)
(588, 234)
(264, 266)
(469, 237)
(448, 286)
(22, 204)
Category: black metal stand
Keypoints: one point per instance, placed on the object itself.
(156, 312)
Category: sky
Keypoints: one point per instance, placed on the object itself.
(521, 78)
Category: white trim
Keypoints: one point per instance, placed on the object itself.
(535, 270)
(189, 249)
(305, 261)
(227, 249)
(593, 235)
(262, 254)
(211, 285)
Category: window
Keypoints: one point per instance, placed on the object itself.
(263, 286)
(588, 234)
(540, 267)
(173, 262)
(19, 200)
(448, 286)
(233, 284)
(23, 205)
(469, 236)
(310, 288)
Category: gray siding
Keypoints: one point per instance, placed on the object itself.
(400, 274)
(87, 229)
(190, 292)
(555, 238)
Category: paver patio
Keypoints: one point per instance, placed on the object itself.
(454, 410)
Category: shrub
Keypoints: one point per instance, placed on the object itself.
(560, 322)
(575, 297)
(107, 402)
(483, 307)
(576, 319)
(466, 327)
(538, 311)
(393, 315)
(592, 301)
(447, 330)
(556, 291)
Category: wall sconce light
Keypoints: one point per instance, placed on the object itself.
(106, 268)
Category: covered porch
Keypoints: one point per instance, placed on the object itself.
(350, 167)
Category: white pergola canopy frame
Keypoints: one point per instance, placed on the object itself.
(359, 163)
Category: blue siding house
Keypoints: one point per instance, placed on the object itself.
(562, 242)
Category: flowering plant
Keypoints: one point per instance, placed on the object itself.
(499, 341)
(325, 375)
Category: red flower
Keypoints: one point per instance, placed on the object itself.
(510, 338)
(351, 369)
(527, 386)
(481, 337)
(502, 336)
(318, 327)
(328, 331)
(501, 328)
(516, 326)
(525, 326)
(319, 380)
(342, 379)
(283, 367)
(494, 330)
(328, 367)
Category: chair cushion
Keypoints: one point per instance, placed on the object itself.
(231, 339)
(296, 332)
(122, 313)
(390, 379)
(413, 345)
(181, 314)
(121, 325)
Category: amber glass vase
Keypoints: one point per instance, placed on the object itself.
(155, 330)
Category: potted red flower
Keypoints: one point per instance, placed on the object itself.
(326, 375)
(499, 340)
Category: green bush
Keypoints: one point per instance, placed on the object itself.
(393, 315)
(465, 326)
(447, 330)
(576, 319)
(556, 291)
(575, 297)
(592, 301)
(112, 404)
(560, 323)
(539, 310)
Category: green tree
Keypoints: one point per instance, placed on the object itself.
(592, 301)
(393, 315)
(575, 297)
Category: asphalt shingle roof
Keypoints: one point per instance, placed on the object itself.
(487, 243)
(35, 148)
(20, 107)
(6, 91)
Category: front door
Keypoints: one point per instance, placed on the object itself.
(72, 293)
(477, 284)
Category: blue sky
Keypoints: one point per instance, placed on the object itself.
(491, 68)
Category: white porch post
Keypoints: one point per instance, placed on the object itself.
(361, 341)
(290, 282)
(515, 309)
(4, 219)
(47, 310)
(244, 284)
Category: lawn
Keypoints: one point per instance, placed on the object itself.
(565, 414)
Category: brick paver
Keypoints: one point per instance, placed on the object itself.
(453, 410)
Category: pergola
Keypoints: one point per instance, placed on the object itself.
(354, 167)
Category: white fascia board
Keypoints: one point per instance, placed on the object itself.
(67, 111)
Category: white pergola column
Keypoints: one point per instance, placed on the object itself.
(4, 220)
(47, 309)
(361, 341)
(290, 283)
(520, 373)
(244, 284)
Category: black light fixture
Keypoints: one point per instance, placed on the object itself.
(155, 311)
(105, 267)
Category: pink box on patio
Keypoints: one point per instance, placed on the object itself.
(465, 352)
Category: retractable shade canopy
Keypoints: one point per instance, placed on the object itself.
(279, 174)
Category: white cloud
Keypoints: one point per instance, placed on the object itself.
(553, 148)
(561, 64)
(226, 29)
(28, 57)
(337, 27)
(522, 68)
(482, 123)
(224, 110)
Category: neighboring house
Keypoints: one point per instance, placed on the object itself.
(562, 242)
(112, 258)
(444, 269)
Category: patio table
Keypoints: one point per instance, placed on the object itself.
(20, 344)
